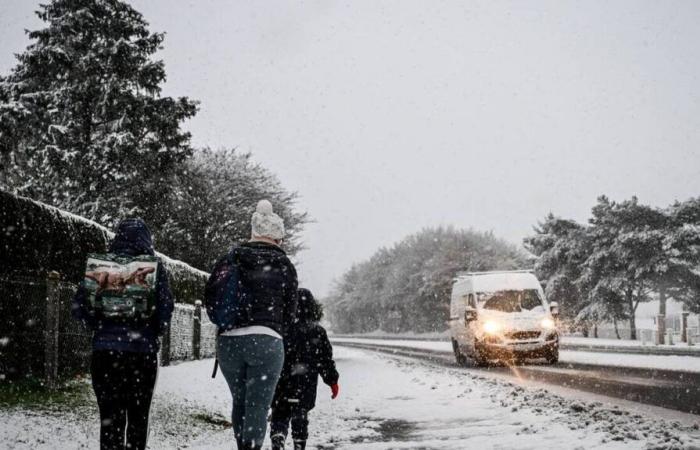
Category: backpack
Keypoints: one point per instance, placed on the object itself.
(121, 287)
(223, 294)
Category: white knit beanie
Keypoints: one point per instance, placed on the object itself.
(265, 223)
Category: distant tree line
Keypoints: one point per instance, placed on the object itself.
(628, 253)
(84, 127)
(406, 287)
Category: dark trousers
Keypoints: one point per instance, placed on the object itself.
(282, 415)
(123, 384)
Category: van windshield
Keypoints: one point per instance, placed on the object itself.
(511, 301)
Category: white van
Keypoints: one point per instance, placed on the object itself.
(502, 315)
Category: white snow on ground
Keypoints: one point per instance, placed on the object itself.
(386, 403)
(667, 362)
(596, 342)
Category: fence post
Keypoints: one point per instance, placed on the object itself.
(53, 304)
(165, 347)
(684, 326)
(197, 330)
(660, 329)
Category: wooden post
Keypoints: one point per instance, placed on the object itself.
(660, 329)
(197, 330)
(684, 326)
(165, 347)
(51, 328)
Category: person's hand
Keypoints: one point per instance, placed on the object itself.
(335, 390)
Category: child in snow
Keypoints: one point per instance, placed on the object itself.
(308, 354)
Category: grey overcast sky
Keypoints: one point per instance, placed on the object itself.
(389, 116)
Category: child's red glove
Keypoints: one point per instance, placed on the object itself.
(335, 390)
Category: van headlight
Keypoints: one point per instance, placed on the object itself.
(491, 327)
(548, 324)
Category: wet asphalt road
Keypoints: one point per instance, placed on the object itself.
(666, 388)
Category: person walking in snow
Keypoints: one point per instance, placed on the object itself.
(251, 296)
(308, 354)
(124, 362)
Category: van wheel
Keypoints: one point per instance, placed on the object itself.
(459, 356)
(552, 356)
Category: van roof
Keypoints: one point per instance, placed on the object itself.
(499, 280)
(469, 274)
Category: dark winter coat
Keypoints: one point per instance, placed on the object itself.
(308, 354)
(132, 238)
(268, 287)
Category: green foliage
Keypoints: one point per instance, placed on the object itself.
(407, 287)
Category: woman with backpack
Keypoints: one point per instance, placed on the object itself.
(251, 296)
(124, 362)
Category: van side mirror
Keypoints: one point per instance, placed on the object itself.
(470, 315)
(554, 308)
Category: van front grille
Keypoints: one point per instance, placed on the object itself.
(523, 335)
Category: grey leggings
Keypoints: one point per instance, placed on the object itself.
(251, 365)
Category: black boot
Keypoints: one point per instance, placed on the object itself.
(277, 441)
(299, 445)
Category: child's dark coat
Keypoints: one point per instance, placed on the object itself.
(308, 354)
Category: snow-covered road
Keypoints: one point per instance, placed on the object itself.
(661, 380)
(663, 362)
(386, 402)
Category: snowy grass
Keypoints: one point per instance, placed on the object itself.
(32, 393)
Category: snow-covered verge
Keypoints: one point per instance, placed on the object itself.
(386, 403)
(596, 342)
(666, 362)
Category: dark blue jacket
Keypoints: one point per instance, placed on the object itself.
(270, 280)
(267, 287)
(132, 238)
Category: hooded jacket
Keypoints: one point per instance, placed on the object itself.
(268, 283)
(308, 354)
(132, 238)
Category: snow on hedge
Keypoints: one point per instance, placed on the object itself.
(36, 238)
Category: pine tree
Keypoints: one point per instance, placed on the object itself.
(678, 271)
(82, 123)
(626, 241)
(561, 246)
